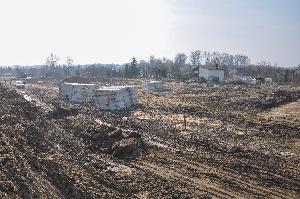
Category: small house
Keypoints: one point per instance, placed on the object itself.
(212, 73)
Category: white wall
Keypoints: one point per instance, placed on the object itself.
(217, 73)
(203, 72)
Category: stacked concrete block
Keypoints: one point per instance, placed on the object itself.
(116, 97)
(74, 92)
(155, 86)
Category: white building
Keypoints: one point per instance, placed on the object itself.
(116, 97)
(212, 74)
(76, 92)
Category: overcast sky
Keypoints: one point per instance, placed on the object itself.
(113, 31)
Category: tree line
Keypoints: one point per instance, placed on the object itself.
(182, 67)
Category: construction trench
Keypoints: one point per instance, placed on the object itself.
(195, 141)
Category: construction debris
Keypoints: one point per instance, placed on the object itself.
(116, 97)
(155, 86)
(105, 98)
(75, 92)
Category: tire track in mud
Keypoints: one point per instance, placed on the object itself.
(196, 173)
(246, 185)
(234, 175)
(238, 187)
(259, 172)
(73, 180)
(203, 186)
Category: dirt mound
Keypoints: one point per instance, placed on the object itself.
(46, 156)
(127, 148)
(20, 138)
(279, 97)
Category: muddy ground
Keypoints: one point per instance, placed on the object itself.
(196, 141)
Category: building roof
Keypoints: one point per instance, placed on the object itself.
(213, 67)
(78, 84)
(154, 82)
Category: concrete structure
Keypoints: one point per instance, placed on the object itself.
(75, 92)
(155, 86)
(20, 84)
(246, 78)
(268, 80)
(212, 74)
(105, 98)
(116, 97)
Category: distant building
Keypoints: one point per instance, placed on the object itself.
(212, 73)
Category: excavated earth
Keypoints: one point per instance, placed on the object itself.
(196, 141)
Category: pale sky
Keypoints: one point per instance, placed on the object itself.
(113, 31)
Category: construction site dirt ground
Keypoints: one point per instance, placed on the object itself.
(195, 141)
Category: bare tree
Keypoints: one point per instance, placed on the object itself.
(144, 68)
(70, 61)
(215, 58)
(180, 59)
(51, 66)
(229, 60)
(241, 60)
(244, 60)
(196, 58)
(52, 60)
(207, 57)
